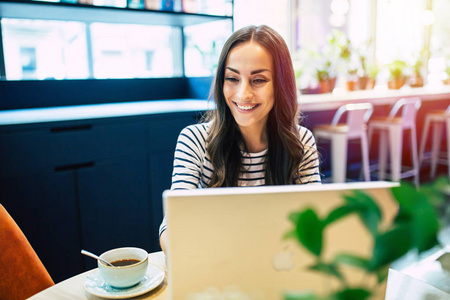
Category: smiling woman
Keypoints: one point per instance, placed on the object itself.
(252, 138)
(248, 90)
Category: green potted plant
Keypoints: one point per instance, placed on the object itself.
(336, 56)
(325, 77)
(447, 71)
(416, 79)
(352, 79)
(415, 228)
(372, 73)
(397, 77)
(363, 78)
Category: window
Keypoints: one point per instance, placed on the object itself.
(400, 31)
(203, 45)
(133, 51)
(42, 49)
(382, 30)
(37, 49)
(439, 42)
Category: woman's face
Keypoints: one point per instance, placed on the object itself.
(248, 85)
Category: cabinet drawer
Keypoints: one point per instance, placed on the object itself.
(65, 145)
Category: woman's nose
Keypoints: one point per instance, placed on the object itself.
(245, 91)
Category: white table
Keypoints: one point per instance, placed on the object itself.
(73, 288)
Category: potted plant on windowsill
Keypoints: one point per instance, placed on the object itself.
(415, 228)
(352, 79)
(447, 80)
(372, 73)
(397, 77)
(416, 79)
(363, 76)
(326, 78)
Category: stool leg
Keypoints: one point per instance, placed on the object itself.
(423, 140)
(436, 146)
(415, 158)
(382, 153)
(365, 156)
(369, 135)
(396, 143)
(369, 143)
(338, 157)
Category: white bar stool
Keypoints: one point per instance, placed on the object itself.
(391, 132)
(340, 133)
(436, 119)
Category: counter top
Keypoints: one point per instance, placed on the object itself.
(381, 95)
(95, 111)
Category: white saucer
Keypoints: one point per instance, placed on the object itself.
(95, 284)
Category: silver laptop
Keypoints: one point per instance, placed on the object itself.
(223, 239)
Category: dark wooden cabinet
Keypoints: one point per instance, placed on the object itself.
(44, 205)
(115, 205)
(88, 184)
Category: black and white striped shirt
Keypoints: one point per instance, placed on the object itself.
(193, 169)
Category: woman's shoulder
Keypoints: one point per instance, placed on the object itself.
(306, 136)
(199, 128)
(195, 136)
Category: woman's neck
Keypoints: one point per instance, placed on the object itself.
(255, 140)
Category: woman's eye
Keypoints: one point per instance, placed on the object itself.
(231, 79)
(259, 81)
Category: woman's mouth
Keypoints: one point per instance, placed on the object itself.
(246, 107)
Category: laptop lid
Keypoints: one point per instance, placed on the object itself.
(225, 238)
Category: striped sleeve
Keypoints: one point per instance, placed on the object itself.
(188, 161)
(309, 167)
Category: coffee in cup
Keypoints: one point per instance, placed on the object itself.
(129, 266)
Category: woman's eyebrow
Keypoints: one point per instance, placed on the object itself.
(259, 71)
(233, 70)
(252, 72)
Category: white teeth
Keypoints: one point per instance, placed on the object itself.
(245, 107)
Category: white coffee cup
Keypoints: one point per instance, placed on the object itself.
(124, 276)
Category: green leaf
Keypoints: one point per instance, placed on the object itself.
(371, 221)
(329, 269)
(416, 210)
(382, 274)
(436, 191)
(405, 195)
(293, 217)
(390, 246)
(353, 294)
(341, 212)
(291, 234)
(352, 260)
(370, 214)
(310, 231)
(425, 226)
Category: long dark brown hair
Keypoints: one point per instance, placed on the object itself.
(285, 151)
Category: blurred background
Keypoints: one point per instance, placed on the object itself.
(328, 37)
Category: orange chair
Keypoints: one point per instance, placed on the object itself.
(22, 273)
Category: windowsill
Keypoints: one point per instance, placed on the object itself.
(381, 95)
